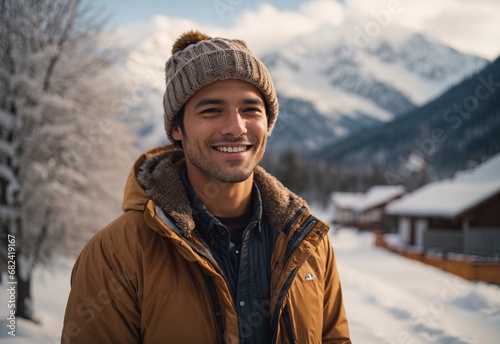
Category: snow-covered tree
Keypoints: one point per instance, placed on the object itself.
(63, 155)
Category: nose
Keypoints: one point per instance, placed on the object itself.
(234, 124)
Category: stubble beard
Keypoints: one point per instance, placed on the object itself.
(227, 174)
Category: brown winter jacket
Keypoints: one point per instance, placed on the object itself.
(143, 279)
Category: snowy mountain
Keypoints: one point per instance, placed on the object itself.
(356, 86)
(452, 132)
(339, 80)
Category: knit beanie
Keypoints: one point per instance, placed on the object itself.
(198, 60)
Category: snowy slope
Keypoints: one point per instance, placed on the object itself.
(388, 299)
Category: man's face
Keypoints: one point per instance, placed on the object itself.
(225, 131)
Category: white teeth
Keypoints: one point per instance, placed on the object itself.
(231, 149)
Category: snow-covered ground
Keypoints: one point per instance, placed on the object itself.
(391, 299)
(388, 299)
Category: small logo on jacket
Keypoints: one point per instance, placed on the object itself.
(310, 277)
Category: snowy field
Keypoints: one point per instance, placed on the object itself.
(388, 299)
(391, 299)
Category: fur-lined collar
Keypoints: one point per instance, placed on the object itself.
(160, 177)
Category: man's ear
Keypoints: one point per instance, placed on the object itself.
(177, 132)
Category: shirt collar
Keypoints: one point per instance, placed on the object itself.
(204, 219)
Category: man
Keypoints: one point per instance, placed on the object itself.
(211, 248)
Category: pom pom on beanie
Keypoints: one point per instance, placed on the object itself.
(188, 38)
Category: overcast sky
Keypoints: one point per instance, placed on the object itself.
(471, 26)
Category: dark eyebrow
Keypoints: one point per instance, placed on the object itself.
(215, 101)
(253, 101)
(208, 101)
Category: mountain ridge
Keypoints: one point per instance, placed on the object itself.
(337, 87)
(452, 132)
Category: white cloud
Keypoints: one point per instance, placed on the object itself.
(269, 27)
(324, 12)
(470, 26)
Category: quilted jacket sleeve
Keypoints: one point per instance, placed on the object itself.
(335, 326)
(103, 306)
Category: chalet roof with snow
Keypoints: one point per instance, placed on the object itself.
(451, 198)
(379, 195)
(346, 200)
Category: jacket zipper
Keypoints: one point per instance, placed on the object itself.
(302, 233)
(288, 325)
(294, 219)
(306, 228)
(217, 312)
(283, 291)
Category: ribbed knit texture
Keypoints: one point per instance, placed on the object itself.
(207, 61)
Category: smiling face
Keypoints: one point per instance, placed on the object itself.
(224, 133)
